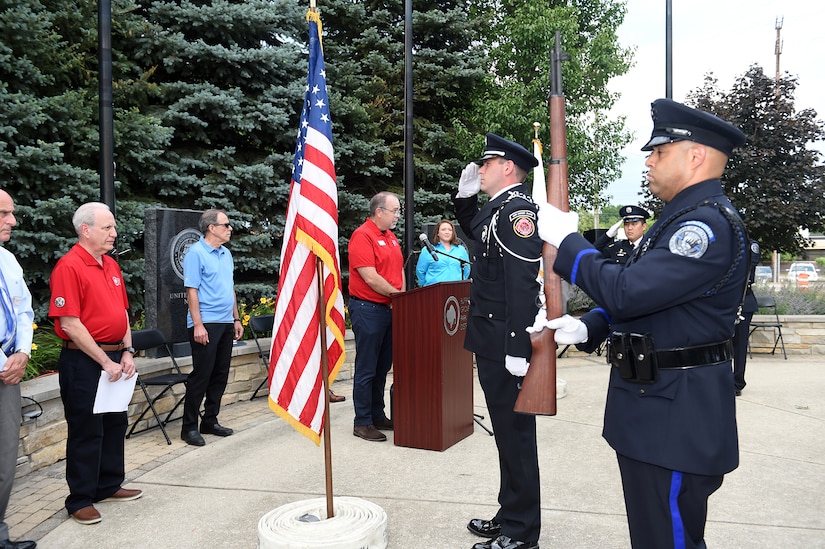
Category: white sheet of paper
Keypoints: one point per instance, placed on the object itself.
(113, 396)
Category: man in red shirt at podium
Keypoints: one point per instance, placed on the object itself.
(376, 267)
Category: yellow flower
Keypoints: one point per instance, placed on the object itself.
(263, 300)
(34, 346)
(34, 325)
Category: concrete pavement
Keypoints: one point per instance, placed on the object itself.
(214, 496)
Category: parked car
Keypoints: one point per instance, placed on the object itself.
(763, 273)
(798, 267)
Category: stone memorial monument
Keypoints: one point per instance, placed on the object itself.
(168, 234)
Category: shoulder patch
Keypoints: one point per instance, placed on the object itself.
(524, 223)
(691, 239)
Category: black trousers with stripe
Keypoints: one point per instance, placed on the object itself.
(665, 509)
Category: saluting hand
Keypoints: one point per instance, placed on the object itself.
(613, 230)
(470, 181)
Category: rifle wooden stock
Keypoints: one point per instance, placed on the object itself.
(538, 389)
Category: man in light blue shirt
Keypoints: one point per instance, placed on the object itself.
(213, 322)
(16, 331)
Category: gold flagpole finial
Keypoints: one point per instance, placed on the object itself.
(536, 127)
(312, 6)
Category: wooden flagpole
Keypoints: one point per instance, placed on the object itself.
(322, 316)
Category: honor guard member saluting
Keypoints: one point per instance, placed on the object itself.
(670, 312)
(634, 220)
(506, 252)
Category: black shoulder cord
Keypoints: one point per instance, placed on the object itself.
(738, 228)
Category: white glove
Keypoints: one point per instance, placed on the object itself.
(555, 225)
(611, 232)
(569, 330)
(516, 365)
(539, 323)
(470, 182)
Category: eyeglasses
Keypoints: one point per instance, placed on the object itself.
(227, 225)
(396, 211)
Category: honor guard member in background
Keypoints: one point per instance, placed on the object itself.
(506, 252)
(670, 312)
(634, 220)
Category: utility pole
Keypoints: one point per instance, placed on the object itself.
(778, 51)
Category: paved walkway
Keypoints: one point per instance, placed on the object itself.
(215, 495)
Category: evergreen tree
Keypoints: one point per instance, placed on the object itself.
(364, 53)
(229, 77)
(48, 131)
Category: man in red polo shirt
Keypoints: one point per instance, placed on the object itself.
(90, 312)
(376, 271)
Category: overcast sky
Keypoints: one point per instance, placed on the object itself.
(724, 37)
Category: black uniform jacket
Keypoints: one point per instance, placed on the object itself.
(683, 286)
(617, 250)
(506, 253)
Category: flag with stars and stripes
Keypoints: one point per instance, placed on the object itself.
(296, 388)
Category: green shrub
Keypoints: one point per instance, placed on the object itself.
(46, 348)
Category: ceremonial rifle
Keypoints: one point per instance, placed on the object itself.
(538, 388)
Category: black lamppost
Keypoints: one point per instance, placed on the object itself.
(409, 165)
(106, 130)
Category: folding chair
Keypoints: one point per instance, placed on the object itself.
(261, 326)
(768, 302)
(150, 339)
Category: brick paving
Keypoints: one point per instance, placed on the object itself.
(37, 499)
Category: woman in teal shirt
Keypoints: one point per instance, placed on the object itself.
(448, 267)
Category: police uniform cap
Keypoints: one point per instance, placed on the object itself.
(673, 121)
(633, 213)
(496, 146)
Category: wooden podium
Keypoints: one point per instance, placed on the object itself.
(432, 372)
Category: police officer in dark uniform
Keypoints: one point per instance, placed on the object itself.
(506, 253)
(634, 219)
(670, 312)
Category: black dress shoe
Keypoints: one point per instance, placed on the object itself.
(485, 528)
(216, 429)
(503, 542)
(193, 437)
(25, 544)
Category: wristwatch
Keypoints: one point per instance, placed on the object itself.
(129, 349)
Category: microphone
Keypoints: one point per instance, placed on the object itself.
(426, 241)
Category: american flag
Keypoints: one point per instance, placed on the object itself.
(296, 388)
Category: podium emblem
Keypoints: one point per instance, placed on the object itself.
(452, 313)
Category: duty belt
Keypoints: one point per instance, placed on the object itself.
(638, 361)
(691, 357)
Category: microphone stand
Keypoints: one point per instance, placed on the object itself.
(476, 417)
(463, 262)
